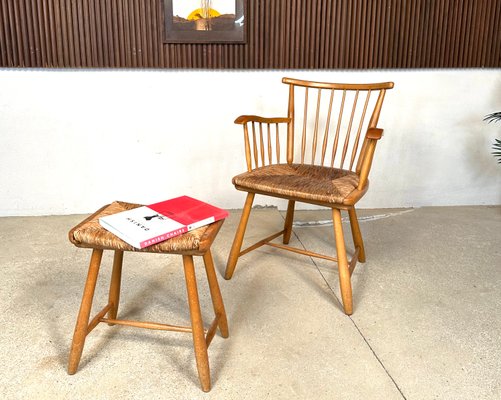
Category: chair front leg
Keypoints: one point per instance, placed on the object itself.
(357, 234)
(82, 324)
(289, 218)
(239, 237)
(342, 261)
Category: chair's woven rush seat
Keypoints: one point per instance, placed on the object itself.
(90, 234)
(309, 182)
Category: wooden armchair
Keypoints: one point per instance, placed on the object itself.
(326, 160)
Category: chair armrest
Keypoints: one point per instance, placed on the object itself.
(374, 133)
(243, 119)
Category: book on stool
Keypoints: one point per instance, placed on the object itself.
(147, 225)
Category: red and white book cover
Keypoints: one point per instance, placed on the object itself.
(147, 225)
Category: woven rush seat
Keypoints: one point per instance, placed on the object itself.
(90, 234)
(308, 182)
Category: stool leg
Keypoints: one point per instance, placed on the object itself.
(215, 292)
(197, 324)
(116, 276)
(84, 313)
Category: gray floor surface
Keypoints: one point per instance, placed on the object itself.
(426, 322)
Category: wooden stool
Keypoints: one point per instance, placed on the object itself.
(89, 234)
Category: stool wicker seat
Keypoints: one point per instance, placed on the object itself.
(90, 234)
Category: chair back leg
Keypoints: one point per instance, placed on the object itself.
(239, 237)
(357, 234)
(289, 219)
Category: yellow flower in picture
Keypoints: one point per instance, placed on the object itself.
(202, 13)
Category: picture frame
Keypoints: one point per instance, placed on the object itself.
(205, 21)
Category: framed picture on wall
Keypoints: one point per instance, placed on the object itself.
(205, 21)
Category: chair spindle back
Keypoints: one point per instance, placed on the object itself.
(329, 122)
(331, 126)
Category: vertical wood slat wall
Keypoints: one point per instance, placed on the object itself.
(281, 34)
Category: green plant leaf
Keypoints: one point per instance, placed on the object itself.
(493, 117)
(497, 150)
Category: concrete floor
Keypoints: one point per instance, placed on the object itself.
(426, 325)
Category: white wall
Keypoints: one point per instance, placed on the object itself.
(74, 140)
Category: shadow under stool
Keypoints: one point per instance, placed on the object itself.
(90, 234)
